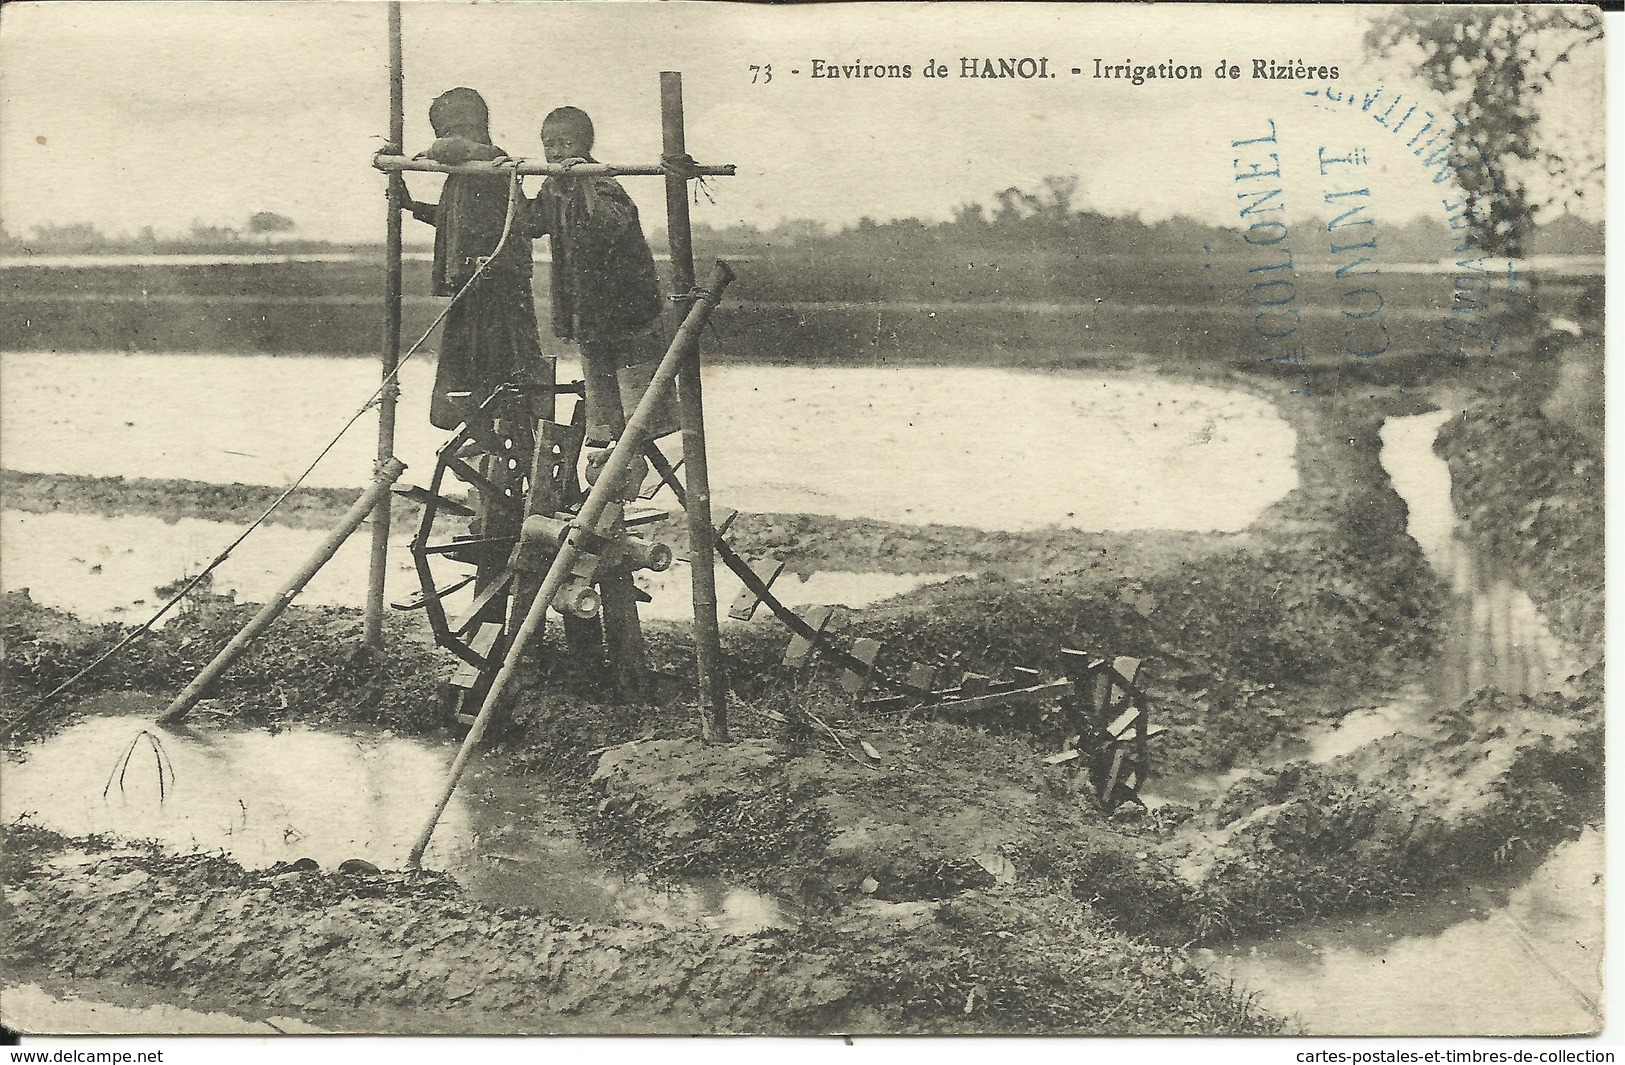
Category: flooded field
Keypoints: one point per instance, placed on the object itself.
(985, 448)
(269, 797)
(109, 568)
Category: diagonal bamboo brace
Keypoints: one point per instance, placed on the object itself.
(628, 449)
(388, 473)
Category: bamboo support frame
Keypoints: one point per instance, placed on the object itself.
(628, 448)
(372, 629)
(713, 703)
(388, 474)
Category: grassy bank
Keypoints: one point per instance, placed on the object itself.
(951, 882)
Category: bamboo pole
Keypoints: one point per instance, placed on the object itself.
(389, 161)
(713, 692)
(388, 474)
(378, 565)
(618, 613)
(630, 447)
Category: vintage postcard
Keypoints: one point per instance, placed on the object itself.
(701, 518)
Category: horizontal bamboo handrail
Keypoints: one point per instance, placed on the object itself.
(396, 163)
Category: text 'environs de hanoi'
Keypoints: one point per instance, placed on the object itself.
(1039, 67)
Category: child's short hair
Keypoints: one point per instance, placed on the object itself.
(460, 109)
(573, 118)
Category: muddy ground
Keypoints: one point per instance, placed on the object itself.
(956, 882)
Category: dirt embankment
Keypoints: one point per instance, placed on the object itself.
(807, 542)
(171, 500)
(953, 883)
(409, 947)
(1502, 781)
(308, 667)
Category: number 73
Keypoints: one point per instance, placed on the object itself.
(761, 73)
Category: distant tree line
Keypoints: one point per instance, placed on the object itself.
(86, 238)
(1046, 220)
(1042, 220)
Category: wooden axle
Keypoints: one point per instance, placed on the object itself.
(1055, 689)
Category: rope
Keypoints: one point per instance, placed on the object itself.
(682, 166)
(685, 167)
(515, 190)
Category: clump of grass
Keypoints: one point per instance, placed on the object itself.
(164, 767)
(310, 666)
(754, 828)
(991, 966)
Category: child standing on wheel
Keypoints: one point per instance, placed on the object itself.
(491, 334)
(606, 293)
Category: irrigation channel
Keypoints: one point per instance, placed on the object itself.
(1519, 956)
(977, 447)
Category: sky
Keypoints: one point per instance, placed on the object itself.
(153, 113)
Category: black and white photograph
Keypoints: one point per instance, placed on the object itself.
(834, 519)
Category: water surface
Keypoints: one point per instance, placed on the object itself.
(1484, 960)
(265, 797)
(979, 447)
(103, 568)
(1514, 958)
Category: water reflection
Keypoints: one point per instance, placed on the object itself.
(1493, 634)
(913, 444)
(265, 798)
(103, 568)
(1485, 960)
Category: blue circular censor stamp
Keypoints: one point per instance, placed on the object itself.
(1360, 220)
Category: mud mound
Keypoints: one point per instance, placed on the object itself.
(1503, 779)
(322, 945)
(811, 541)
(935, 815)
(44, 648)
(310, 666)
